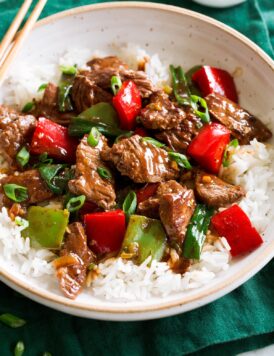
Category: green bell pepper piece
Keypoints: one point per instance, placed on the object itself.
(147, 235)
(196, 232)
(47, 226)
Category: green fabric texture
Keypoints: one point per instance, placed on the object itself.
(243, 320)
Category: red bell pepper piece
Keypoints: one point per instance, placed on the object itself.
(54, 139)
(128, 104)
(146, 192)
(105, 230)
(236, 227)
(208, 147)
(141, 132)
(215, 80)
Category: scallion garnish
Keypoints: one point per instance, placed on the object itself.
(196, 102)
(125, 135)
(75, 203)
(153, 142)
(91, 266)
(234, 143)
(130, 204)
(23, 156)
(19, 348)
(68, 70)
(93, 137)
(56, 177)
(28, 107)
(179, 84)
(116, 84)
(21, 222)
(104, 173)
(42, 87)
(180, 159)
(11, 320)
(16, 192)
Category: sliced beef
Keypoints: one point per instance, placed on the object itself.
(102, 78)
(15, 130)
(179, 138)
(106, 62)
(150, 206)
(214, 192)
(88, 181)
(161, 113)
(141, 161)
(73, 276)
(86, 93)
(48, 106)
(31, 179)
(244, 126)
(176, 209)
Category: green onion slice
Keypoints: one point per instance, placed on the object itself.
(68, 70)
(104, 173)
(94, 137)
(196, 102)
(11, 320)
(19, 348)
(23, 156)
(16, 192)
(180, 85)
(153, 142)
(75, 203)
(130, 204)
(180, 159)
(91, 266)
(116, 84)
(234, 143)
(28, 107)
(42, 87)
(21, 222)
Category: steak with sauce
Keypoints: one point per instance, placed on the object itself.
(141, 161)
(244, 126)
(179, 138)
(15, 130)
(86, 93)
(88, 181)
(73, 276)
(176, 210)
(31, 179)
(214, 192)
(161, 113)
(106, 63)
(48, 106)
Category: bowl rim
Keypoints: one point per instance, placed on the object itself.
(205, 296)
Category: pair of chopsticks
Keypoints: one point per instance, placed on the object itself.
(13, 41)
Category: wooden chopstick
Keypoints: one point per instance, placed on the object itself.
(18, 42)
(14, 27)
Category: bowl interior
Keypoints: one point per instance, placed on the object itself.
(179, 37)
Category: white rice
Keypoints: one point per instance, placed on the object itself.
(120, 279)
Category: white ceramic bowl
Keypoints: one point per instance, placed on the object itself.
(219, 3)
(181, 37)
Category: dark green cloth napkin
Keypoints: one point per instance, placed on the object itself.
(242, 320)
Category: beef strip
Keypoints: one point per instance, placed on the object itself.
(150, 206)
(161, 113)
(15, 130)
(72, 277)
(31, 179)
(48, 106)
(141, 161)
(244, 126)
(214, 192)
(102, 78)
(179, 138)
(88, 181)
(176, 209)
(86, 93)
(106, 62)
